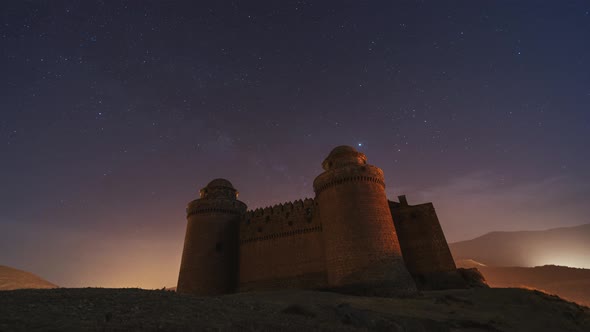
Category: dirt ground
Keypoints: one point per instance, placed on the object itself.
(97, 309)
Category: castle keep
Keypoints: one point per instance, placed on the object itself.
(349, 235)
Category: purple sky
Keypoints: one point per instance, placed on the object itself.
(114, 115)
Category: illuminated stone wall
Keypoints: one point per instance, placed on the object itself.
(359, 236)
(421, 238)
(349, 235)
(282, 247)
(209, 263)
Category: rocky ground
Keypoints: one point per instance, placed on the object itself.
(98, 309)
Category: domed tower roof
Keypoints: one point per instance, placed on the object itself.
(343, 155)
(219, 189)
(220, 183)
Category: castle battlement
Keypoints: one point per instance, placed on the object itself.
(281, 208)
(280, 220)
(348, 235)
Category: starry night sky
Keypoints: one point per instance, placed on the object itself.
(115, 114)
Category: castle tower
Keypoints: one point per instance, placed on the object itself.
(361, 244)
(209, 263)
(424, 246)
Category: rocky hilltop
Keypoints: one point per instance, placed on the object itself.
(568, 283)
(479, 309)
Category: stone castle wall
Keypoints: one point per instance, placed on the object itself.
(360, 239)
(421, 238)
(282, 247)
(349, 235)
(211, 241)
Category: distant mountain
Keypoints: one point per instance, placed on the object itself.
(11, 278)
(560, 246)
(468, 263)
(569, 283)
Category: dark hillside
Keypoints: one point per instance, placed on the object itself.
(482, 309)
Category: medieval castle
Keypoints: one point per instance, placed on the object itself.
(349, 235)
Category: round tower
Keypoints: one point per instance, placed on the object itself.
(360, 240)
(210, 256)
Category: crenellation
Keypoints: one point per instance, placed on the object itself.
(281, 208)
(341, 180)
(282, 218)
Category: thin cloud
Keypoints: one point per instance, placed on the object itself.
(478, 203)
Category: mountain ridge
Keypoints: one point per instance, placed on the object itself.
(11, 279)
(572, 284)
(563, 246)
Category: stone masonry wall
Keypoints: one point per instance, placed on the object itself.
(360, 239)
(209, 260)
(421, 238)
(282, 247)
